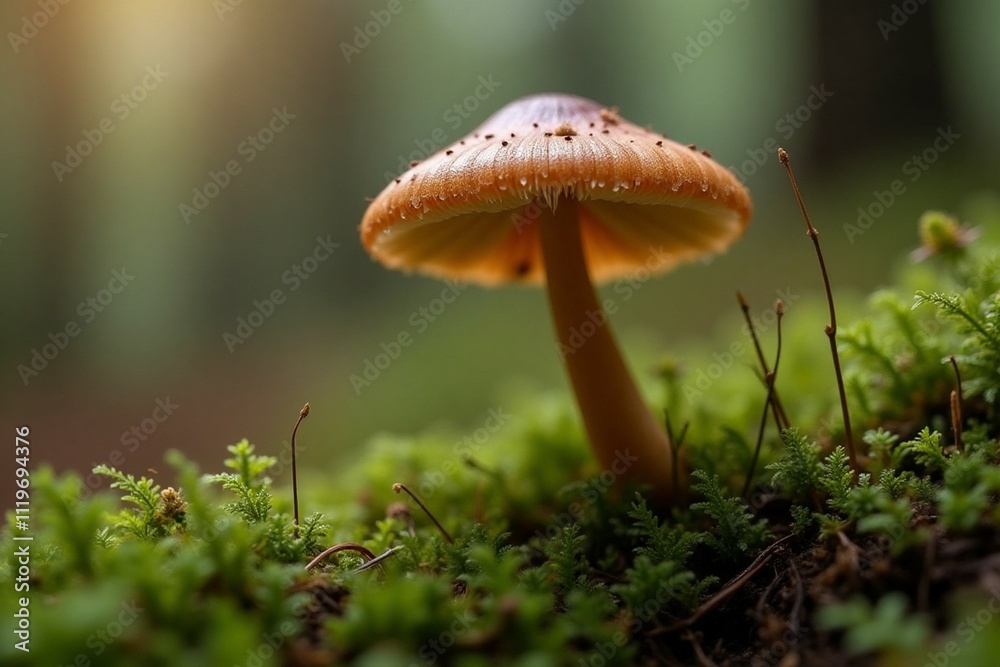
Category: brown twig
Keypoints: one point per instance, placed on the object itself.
(956, 406)
(831, 328)
(727, 591)
(377, 561)
(780, 417)
(303, 413)
(779, 310)
(852, 549)
(397, 487)
(699, 652)
(800, 596)
(762, 600)
(343, 546)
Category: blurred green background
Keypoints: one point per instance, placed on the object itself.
(116, 114)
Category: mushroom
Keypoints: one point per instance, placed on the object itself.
(557, 189)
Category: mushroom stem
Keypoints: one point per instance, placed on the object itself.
(624, 436)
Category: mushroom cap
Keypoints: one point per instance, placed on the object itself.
(469, 212)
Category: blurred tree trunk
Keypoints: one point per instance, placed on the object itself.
(881, 61)
(54, 57)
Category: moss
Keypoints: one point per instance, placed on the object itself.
(552, 563)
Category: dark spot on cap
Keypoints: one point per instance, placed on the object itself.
(534, 125)
(659, 143)
(605, 132)
(449, 152)
(503, 143)
(692, 147)
(706, 154)
(548, 134)
(415, 163)
(488, 136)
(569, 138)
(399, 180)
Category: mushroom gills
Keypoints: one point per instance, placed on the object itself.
(491, 247)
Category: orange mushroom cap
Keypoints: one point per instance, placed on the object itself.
(469, 211)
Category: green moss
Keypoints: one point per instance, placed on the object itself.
(551, 564)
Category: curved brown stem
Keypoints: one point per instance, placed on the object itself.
(398, 488)
(624, 436)
(303, 413)
(831, 328)
(343, 546)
